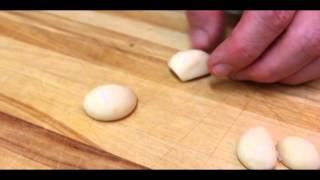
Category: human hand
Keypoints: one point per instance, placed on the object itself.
(265, 46)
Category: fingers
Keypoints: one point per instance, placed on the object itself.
(207, 28)
(297, 47)
(250, 38)
(308, 73)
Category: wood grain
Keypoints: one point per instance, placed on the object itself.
(51, 59)
(53, 150)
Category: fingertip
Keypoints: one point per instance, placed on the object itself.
(207, 29)
(200, 39)
(216, 57)
(221, 70)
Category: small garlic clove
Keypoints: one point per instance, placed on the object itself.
(189, 64)
(256, 149)
(298, 153)
(110, 102)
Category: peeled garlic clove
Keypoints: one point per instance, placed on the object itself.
(189, 64)
(256, 149)
(298, 153)
(110, 102)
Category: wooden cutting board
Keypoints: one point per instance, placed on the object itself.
(50, 60)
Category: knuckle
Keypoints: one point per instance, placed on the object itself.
(244, 50)
(313, 39)
(276, 20)
(309, 40)
(307, 33)
(282, 17)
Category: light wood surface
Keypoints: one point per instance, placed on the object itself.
(49, 60)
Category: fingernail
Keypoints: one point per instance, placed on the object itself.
(200, 38)
(222, 70)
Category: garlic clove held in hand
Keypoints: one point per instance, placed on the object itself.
(189, 64)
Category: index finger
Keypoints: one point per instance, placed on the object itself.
(206, 28)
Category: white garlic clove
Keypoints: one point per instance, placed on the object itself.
(189, 64)
(110, 102)
(256, 149)
(298, 153)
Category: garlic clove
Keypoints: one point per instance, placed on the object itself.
(110, 102)
(256, 150)
(298, 153)
(189, 64)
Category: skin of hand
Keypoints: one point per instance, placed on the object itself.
(264, 46)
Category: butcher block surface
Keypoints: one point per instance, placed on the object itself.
(49, 60)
